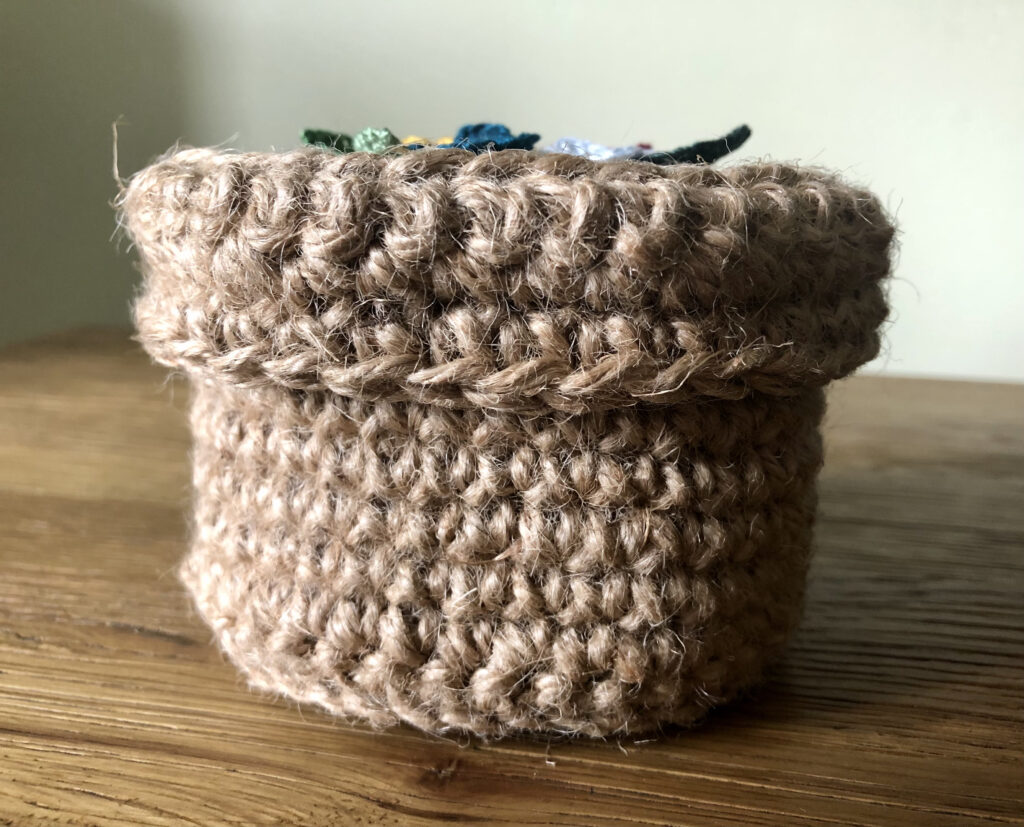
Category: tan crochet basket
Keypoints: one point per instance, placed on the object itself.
(510, 441)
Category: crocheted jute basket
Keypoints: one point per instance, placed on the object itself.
(503, 442)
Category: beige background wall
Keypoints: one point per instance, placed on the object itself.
(920, 100)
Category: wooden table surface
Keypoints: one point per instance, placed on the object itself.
(901, 701)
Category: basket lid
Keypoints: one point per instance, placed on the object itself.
(510, 280)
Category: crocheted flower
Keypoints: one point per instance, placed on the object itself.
(374, 139)
(326, 139)
(419, 142)
(481, 137)
(592, 150)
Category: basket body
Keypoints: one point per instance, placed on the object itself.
(523, 487)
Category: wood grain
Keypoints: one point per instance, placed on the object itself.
(900, 703)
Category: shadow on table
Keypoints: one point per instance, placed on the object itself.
(913, 615)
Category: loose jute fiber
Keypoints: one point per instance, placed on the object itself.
(510, 441)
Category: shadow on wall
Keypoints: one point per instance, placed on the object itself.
(69, 71)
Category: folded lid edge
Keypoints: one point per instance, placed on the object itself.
(513, 281)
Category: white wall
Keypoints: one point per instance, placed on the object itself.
(920, 100)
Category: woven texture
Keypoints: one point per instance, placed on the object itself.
(510, 441)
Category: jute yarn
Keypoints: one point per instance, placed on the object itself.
(503, 442)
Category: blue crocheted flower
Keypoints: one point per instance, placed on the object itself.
(481, 137)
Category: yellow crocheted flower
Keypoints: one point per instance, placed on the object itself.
(419, 140)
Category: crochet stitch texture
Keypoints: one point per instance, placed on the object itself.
(507, 441)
